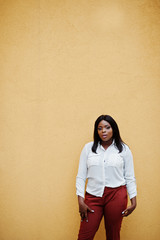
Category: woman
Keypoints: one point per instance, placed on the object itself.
(107, 163)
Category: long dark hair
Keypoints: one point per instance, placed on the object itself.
(116, 134)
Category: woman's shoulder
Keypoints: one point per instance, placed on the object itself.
(126, 148)
(89, 145)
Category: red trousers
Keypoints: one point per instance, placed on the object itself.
(110, 205)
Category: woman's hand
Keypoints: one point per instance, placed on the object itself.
(83, 209)
(131, 208)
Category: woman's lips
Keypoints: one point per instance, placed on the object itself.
(104, 136)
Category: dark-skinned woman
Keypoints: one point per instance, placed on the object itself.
(107, 164)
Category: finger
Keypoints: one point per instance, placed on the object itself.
(82, 217)
(125, 213)
(86, 217)
(90, 210)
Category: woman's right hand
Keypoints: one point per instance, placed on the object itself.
(83, 209)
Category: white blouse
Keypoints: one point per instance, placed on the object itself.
(107, 168)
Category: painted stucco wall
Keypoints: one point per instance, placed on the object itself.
(62, 64)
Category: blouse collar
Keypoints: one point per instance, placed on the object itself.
(113, 143)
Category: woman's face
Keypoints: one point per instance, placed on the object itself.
(105, 131)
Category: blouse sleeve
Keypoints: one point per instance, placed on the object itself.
(129, 174)
(82, 173)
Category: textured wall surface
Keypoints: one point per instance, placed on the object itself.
(62, 64)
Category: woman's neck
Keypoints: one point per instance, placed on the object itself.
(106, 144)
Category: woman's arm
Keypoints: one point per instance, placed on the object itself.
(80, 184)
(130, 182)
(131, 208)
(129, 175)
(82, 173)
(83, 209)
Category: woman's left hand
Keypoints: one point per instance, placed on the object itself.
(130, 209)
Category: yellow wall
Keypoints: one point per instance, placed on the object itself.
(62, 64)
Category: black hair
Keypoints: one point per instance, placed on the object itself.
(116, 134)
